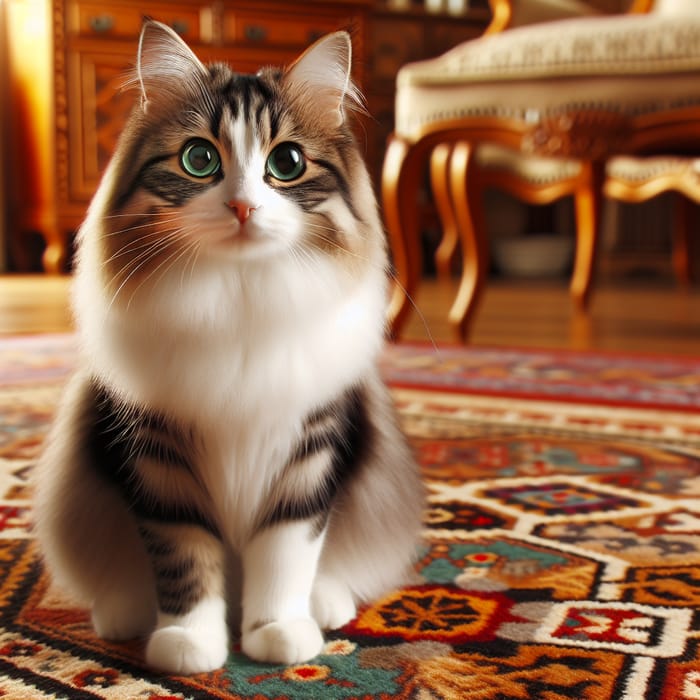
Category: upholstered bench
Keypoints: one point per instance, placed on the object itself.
(547, 104)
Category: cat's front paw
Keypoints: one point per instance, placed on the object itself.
(284, 642)
(182, 651)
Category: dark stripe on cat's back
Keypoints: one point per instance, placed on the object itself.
(348, 438)
(115, 449)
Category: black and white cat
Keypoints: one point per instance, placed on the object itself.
(226, 447)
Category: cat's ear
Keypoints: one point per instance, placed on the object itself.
(165, 65)
(322, 74)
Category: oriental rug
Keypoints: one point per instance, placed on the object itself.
(561, 551)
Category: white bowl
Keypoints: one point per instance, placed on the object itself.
(534, 255)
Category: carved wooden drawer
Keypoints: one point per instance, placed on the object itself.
(97, 19)
(248, 26)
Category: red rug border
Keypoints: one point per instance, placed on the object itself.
(636, 354)
(537, 396)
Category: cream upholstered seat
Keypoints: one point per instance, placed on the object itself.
(630, 179)
(568, 94)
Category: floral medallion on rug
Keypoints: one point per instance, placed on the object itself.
(560, 559)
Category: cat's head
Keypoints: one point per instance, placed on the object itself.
(238, 169)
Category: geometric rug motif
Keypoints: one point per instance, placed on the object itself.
(551, 498)
(560, 559)
(653, 539)
(668, 586)
(517, 565)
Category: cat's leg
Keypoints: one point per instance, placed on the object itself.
(93, 549)
(373, 530)
(191, 634)
(332, 601)
(279, 567)
(89, 541)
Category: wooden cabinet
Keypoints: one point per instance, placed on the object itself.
(94, 48)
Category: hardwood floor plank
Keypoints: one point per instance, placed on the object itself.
(649, 318)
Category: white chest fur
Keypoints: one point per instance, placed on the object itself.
(243, 359)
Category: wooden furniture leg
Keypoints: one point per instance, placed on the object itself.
(588, 201)
(445, 253)
(55, 255)
(684, 212)
(472, 236)
(401, 176)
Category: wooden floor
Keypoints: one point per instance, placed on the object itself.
(649, 318)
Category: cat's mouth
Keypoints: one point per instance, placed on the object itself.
(246, 240)
(241, 236)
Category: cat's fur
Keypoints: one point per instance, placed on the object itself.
(227, 434)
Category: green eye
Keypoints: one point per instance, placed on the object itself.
(286, 162)
(199, 158)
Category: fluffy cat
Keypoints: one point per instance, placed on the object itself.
(226, 447)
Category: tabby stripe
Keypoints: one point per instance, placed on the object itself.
(347, 445)
(175, 571)
(312, 504)
(259, 115)
(151, 447)
(171, 187)
(240, 92)
(308, 194)
(275, 119)
(215, 120)
(313, 444)
(316, 190)
(156, 545)
(341, 183)
(135, 184)
(114, 456)
(181, 601)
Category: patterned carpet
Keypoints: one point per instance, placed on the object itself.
(561, 556)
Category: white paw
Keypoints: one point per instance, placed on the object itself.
(183, 651)
(287, 642)
(332, 604)
(119, 617)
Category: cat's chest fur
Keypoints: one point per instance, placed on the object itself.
(244, 372)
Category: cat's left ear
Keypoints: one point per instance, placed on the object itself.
(322, 73)
(166, 65)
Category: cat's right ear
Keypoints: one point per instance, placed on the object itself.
(166, 66)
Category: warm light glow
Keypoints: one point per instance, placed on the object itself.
(29, 42)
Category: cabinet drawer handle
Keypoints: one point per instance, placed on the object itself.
(102, 23)
(180, 26)
(254, 32)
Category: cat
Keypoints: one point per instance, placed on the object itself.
(226, 458)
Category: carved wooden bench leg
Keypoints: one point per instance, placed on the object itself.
(470, 224)
(446, 250)
(401, 178)
(588, 201)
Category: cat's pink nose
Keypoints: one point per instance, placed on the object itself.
(242, 210)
